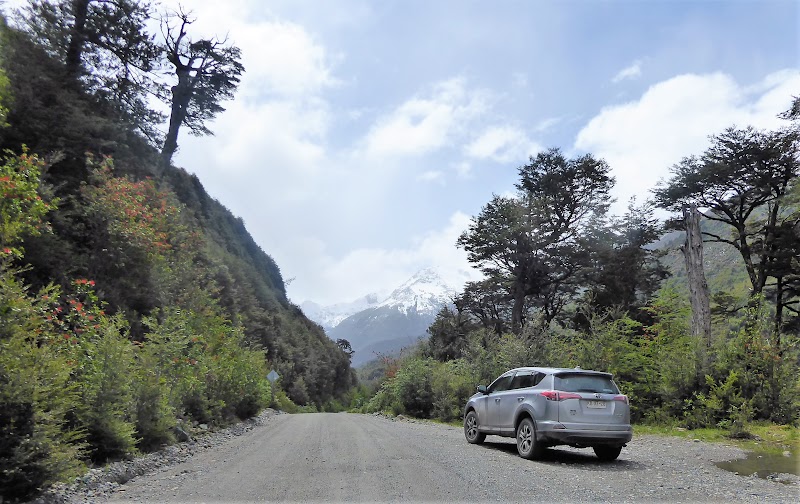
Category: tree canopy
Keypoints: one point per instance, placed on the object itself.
(533, 243)
(207, 72)
(744, 180)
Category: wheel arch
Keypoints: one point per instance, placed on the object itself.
(521, 415)
(468, 408)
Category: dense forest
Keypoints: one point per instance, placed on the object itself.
(566, 284)
(133, 307)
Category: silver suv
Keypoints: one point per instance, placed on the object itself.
(545, 407)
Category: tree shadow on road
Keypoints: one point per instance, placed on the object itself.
(574, 457)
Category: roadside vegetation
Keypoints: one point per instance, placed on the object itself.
(134, 309)
(569, 285)
(765, 437)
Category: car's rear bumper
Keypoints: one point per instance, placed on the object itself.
(557, 433)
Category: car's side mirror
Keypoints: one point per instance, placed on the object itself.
(482, 389)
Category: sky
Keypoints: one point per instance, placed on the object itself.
(366, 134)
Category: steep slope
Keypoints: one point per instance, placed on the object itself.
(64, 122)
(398, 321)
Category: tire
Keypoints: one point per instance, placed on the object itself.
(471, 432)
(527, 446)
(607, 453)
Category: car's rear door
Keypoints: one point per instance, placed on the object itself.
(590, 402)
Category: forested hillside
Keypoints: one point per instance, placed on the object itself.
(569, 285)
(133, 305)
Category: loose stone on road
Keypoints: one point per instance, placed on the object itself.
(350, 457)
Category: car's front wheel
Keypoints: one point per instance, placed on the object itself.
(607, 453)
(527, 447)
(471, 432)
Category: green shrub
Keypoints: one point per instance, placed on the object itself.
(385, 399)
(283, 403)
(155, 417)
(37, 445)
(452, 383)
(413, 388)
(108, 412)
(235, 376)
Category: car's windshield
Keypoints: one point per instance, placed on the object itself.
(580, 382)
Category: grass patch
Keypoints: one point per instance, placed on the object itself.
(766, 436)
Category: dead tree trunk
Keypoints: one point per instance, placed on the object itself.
(698, 287)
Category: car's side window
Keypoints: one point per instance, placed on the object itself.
(526, 379)
(522, 380)
(500, 384)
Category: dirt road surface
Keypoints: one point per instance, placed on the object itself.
(340, 457)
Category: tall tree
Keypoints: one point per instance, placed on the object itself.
(793, 112)
(207, 72)
(488, 302)
(104, 45)
(448, 333)
(534, 241)
(742, 180)
(783, 264)
(625, 271)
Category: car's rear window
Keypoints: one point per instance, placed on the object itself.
(580, 382)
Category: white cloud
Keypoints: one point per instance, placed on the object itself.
(642, 139)
(502, 144)
(292, 132)
(281, 59)
(365, 270)
(424, 124)
(431, 176)
(631, 72)
(547, 124)
(273, 137)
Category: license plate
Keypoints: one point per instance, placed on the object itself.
(596, 404)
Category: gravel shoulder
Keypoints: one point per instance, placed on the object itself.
(349, 457)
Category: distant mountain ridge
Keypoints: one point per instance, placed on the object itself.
(329, 316)
(385, 327)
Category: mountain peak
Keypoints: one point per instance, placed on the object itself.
(399, 321)
(424, 291)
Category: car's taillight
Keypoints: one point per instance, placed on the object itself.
(621, 398)
(556, 395)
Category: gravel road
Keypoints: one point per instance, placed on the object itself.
(347, 457)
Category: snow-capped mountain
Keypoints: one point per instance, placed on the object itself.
(425, 292)
(331, 315)
(397, 321)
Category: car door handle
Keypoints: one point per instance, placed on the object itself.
(497, 399)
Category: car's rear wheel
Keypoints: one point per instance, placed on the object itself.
(607, 453)
(471, 432)
(527, 447)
